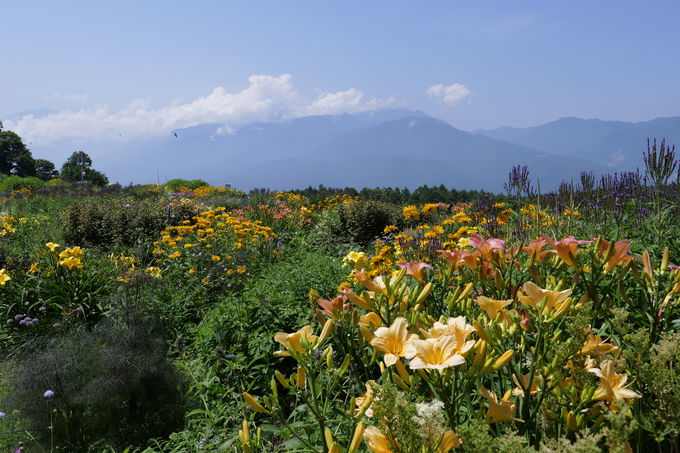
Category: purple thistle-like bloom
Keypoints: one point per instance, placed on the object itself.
(18, 317)
(42, 309)
(48, 394)
(10, 320)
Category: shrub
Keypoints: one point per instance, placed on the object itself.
(363, 221)
(113, 222)
(113, 385)
(175, 184)
(14, 182)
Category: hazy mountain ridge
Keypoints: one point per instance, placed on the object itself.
(616, 144)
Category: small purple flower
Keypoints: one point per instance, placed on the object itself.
(48, 394)
(42, 309)
(18, 317)
(2, 415)
(34, 320)
(56, 325)
(79, 309)
(10, 320)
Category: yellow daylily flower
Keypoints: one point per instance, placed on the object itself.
(535, 295)
(612, 386)
(596, 345)
(294, 341)
(52, 246)
(435, 353)
(154, 272)
(493, 307)
(449, 441)
(458, 328)
(498, 412)
(4, 277)
(393, 341)
(71, 263)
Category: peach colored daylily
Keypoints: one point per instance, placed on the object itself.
(377, 441)
(535, 249)
(458, 328)
(393, 341)
(612, 386)
(566, 249)
(294, 341)
(525, 382)
(596, 345)
(449, 441)
(493, 307)
(499, 412)
(435, 353)
(535, 295)
(370, 319)
(620, 253)
(486, 247)
(415, 269)
(333, 307)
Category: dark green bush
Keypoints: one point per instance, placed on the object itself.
(363, 221)
(112, 385)
(113, 222)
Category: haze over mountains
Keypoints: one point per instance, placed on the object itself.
(393, 147)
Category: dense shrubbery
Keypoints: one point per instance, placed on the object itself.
(363, 221)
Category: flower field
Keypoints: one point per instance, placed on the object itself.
(169, 319)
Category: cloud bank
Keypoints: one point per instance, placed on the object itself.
(450, 94)
(266, 98)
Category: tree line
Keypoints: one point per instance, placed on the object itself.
(16, 159)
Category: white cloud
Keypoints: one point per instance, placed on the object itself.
(450, 94)
(266, 98)
(66, 98)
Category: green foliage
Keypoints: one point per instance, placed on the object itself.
(363, 221)
(15, 182)
(78, 168)
(15, 158)
(113, 384)
(125, 222)
(175, 184)
(45, 170)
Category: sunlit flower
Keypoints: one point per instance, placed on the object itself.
(4, 277)
(415, 270)
(458, 328)
(486, 247)
(493, 307)
(34, 268)
(596, 345)
(71, 263)
(498, 412)
(154, 272)
(612, 386)
(535, 249)
(435, 353)
(535, 296)
(294, 341)
(393, 340)
(72, 251)
(52, 246)
(620, 253)
(215, 258)
(333, 307)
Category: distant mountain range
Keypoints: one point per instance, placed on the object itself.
(393, 147)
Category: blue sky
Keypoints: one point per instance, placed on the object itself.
(148, 66)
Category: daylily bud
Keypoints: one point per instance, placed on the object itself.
(356, 438)
(275, 390)
(424, 293)
(282, 379)
(344, 365)
(253, 403)
(402, 370)
(665, 258)
(244, 437)
(480, 355)
(571, 421)
(329, 358)
(466, 292)
(503, 360)
(326, 330)
(481, 332)
(365, 333)
(400, 382)
(301, 377)
(328, 435)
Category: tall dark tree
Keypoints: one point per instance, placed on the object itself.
(45, 170)
(15, 158)
(78, 168)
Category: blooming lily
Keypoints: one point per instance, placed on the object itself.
(393, 341)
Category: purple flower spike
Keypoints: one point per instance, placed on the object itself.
(48, 394)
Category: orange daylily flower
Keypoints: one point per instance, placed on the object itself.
(535, 249)
(486, 247)
(377, 441)
(566, 249)
(620, 253)
(493, 307)
(525, 382)
(449, 441)
(334, 307)
(596, 345)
